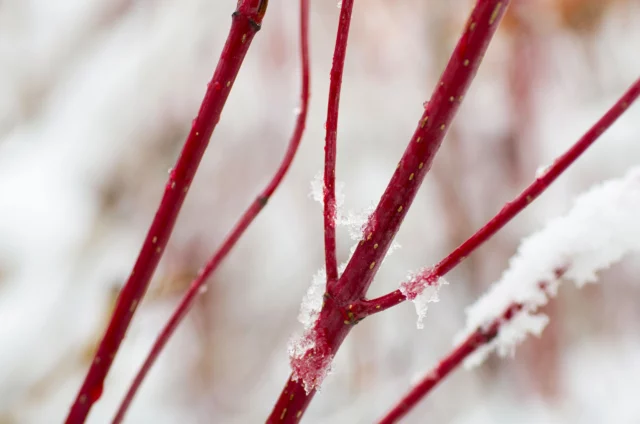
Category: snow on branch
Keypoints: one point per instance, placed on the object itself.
(602, 227)
(422, 288)
(309, 355)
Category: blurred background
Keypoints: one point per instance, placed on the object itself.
(96, 98)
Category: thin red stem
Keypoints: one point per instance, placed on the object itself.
(449, 363)
(240, 227)
(329, 191)
(417, 159)
(245, 23)
(509, 211)
(331, 328)
(478, 338)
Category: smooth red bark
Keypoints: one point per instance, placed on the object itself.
(246, 22)
(331, 327)
(419, 154)
(329, 191)
(240, 227)
(364, 308)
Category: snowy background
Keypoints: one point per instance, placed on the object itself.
(96, 97)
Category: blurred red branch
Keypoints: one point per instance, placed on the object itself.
(363, 308)
(478, 338)
(241, 226)
(245, 24)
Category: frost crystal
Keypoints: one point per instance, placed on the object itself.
(542, 170)
(310, 358)
(317, 190)
(310, 355)
(312, 302)
(317, 185)
(599, 230)
(422, 288)
(357, 223)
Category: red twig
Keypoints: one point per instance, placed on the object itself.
(364, 308)
(419, 154)
(240, 227)
(478, 338)
(450, 362)
(331, 327)
(246, 22)
(329, 192)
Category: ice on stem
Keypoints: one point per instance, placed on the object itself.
(422, 288)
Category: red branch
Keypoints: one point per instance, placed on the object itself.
(329, 191)
(419, 154)
(240, 227)
(245, 24)
(364, 308)
(331, 327)
(478, 338)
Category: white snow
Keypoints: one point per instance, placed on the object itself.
(317, 190)
(422, 288)
(312, 301)
(600, 229)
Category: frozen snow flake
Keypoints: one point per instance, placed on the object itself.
(598, 231)
(358, 224)
(310, 357)
(317, 185)
(422, 288)
(317, 190)
(417, 282)
(312, 301)
(371, 225)
(542, 170)
(340, 195)
(421, 302)
(355, 223)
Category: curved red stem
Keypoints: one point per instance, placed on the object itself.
(329, 189)
(240, 227)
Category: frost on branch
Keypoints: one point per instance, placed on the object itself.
(602, 226)
(422, 288)
(310, 358)
(357, 223)
(309, 354)
(317, 190)
(312, 301)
